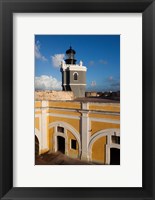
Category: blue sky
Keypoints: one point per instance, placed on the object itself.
(99, 53)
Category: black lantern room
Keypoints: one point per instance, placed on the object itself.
(70, 54)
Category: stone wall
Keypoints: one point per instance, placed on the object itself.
(53, 95)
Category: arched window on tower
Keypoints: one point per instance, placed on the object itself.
(75, 76)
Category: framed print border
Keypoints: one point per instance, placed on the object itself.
(7, 8)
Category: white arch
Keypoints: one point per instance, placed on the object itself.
(38, 134)
(101, 133)
(75, 73)
(68, 127)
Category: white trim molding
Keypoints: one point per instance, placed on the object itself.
(75, 73)
(77, 84)
(112, 121)
(74, 67)
(44, 144)
(84, 135)
(64, 116)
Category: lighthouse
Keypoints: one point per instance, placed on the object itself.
(73, 75)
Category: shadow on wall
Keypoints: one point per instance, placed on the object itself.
(55, 158)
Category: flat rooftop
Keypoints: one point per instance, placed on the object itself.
(95, 99)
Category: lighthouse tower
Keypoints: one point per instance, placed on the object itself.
(73, 75)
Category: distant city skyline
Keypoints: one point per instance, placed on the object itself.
(99, 53)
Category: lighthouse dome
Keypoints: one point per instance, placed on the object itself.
(70, 59)
(70, 51)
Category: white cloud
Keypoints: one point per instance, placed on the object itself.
(38, 54)
(91, 62)
(56, 59)
(110, 78)
(104, 62)
(93, 83)
(47, 83)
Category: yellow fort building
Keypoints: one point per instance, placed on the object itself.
(85, 130)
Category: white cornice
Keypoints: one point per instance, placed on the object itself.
(73, 67)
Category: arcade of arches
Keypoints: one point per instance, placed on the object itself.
(89, 131)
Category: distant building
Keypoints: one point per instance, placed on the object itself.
(91, 94)
(111, 95)
(73, 75)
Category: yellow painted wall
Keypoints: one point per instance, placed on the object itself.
(97, 126)
(63, 104)
(50, 142)
(105, 107)
(98, 115)
(37, 112)
(98, 150)
(72, 152)
(75, 123)
(37, 123)
(37, 104)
